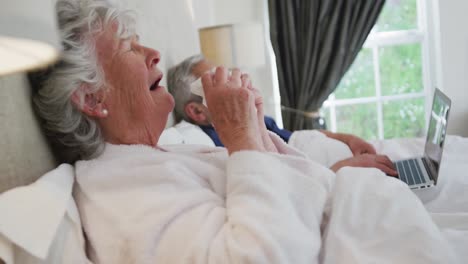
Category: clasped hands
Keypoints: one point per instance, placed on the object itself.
(236, 109)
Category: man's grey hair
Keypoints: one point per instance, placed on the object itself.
(76, 134)
(179, 79)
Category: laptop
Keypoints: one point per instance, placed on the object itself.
(423, 172)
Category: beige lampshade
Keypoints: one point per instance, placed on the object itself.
(28, 35)
(238, 45)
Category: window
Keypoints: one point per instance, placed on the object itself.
(383, 94)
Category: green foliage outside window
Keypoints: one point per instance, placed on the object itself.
(359, 81)
(398, 15)
(404, 118)
(400, 68)
(359, 119)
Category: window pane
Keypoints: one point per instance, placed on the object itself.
(404, 118)
(359, 80)
(359, 119)
(398, 15)
(401, 69)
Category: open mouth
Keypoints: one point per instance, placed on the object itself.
(155, 85)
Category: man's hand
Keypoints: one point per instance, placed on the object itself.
(380, 162)
(358, 146)
(233, 110)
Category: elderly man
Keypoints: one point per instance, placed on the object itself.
(189, 107)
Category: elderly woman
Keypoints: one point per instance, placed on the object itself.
(258, 202)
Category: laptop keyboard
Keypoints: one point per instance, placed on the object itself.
(409, 171)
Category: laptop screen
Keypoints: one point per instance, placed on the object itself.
(436, 132)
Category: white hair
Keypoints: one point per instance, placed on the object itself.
(179, 79)
(78, 135)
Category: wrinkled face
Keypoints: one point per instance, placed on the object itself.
(138, 106)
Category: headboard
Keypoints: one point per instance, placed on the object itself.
(25, 155)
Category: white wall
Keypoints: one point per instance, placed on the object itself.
(450, 38)
(218, 12)
(238, 11)
(167, 26)
(203, 13)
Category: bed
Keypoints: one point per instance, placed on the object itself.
(447, 202)
(26, 155)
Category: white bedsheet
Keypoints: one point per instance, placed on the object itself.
(447, 202)
(451, 193)
(449, 196)
(248, 208)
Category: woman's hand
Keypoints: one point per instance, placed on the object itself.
(267, 142)
(380, 162)
(233, 110)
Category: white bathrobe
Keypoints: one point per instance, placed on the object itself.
(189, 204)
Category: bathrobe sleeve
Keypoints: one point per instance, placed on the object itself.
(142, 206)
(271, 214)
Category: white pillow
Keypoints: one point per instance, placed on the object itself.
(40, 222)
(185, 133)
(170, 136)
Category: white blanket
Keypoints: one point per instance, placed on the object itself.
(188, 204)
(447, 203)
(39, 223)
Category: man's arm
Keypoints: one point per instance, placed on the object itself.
(364, 154)
(357, 145)
(380, 162)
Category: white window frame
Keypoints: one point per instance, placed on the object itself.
(391, 38)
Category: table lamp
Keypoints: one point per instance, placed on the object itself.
(234, 45)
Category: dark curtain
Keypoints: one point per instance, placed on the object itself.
(315, 43)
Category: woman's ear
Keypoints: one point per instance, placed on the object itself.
(195, 112)
(89, 103)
